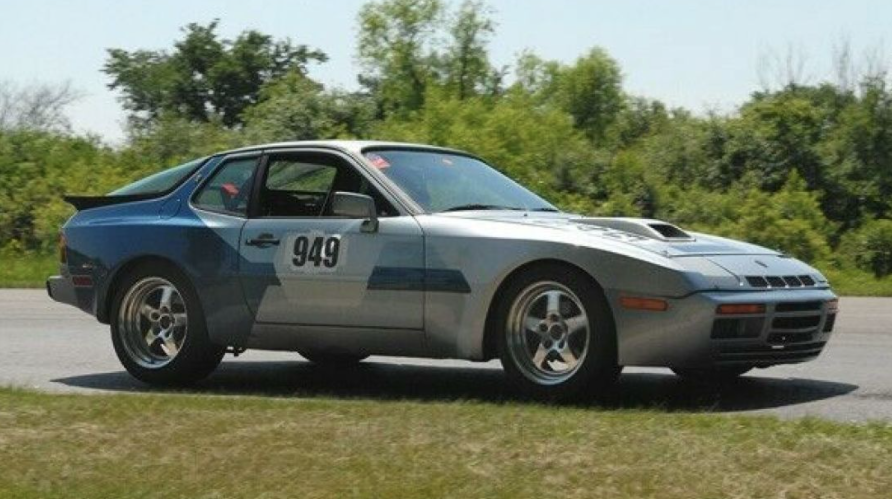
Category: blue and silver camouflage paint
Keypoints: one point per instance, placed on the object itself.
(423, 284)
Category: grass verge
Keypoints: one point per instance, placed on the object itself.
(197, 446)
(26, 270)
(858, 283)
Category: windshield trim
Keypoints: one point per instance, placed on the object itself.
(406, 198)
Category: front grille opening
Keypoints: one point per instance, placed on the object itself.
(810, 321)
(729, 329)
(756, 281)
(769, 354)
(792, 281)
(789, 338)
(802, 306)
(776, 281)
(829, 323)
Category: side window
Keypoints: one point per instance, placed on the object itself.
(229, 189)
(296, 187)
(300, 185)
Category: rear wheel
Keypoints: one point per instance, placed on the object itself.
(333, 359)
(712, 374)
(158, 328)
(556, 337)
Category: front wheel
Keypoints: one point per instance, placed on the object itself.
(556, 336)
(158, 328)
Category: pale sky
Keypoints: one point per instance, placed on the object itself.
(697, 54)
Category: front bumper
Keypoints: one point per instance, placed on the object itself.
(795, 327)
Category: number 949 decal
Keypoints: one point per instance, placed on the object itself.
(315, 252)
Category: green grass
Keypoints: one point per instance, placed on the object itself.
(858, 283)
(213, 446)
(26, 270)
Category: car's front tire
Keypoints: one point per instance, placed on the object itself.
(556, 338)
(158, 328)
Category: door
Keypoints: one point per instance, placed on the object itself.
(302, 266)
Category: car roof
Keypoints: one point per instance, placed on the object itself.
(350, 146)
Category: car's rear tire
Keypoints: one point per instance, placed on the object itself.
(158, 327)
(555, 334)
(712, 374)
(333, 359)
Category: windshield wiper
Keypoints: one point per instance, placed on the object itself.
(554, 210)
(469, 207)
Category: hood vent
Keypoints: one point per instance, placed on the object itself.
(651, 229)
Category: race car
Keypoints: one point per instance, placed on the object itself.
(339, 250)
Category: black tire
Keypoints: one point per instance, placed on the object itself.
(196, 358)
(333, 359)
(712, 374)
(597, 371)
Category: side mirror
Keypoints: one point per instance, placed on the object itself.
(350, 205)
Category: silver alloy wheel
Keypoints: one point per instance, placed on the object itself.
(548, 333)
(153, 322)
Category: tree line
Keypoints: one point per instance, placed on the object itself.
(805, 167)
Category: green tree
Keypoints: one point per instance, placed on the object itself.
(204, 77)
(591, 91)
(397, 51)
(870, 247)
(466, 65)
(297, 108)
(860, 150)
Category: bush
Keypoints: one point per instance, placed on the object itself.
(870, 247)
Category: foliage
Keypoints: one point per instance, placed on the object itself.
(408, 47)
(395, 49)
(591, 92)
(803, 168)
(870, 247)
(204, 77)
(297, 108)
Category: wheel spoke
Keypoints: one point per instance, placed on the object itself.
(532, 325)
(170, 346)
(540, 356)
(147, 311)
(553, 306)
(576, 324)
(568, 356)
(167, 296)
(180, 320)
(151, 337)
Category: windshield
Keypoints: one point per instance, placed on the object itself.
(159, 182)
(451, 182)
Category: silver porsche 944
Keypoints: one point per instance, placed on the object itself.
(339, 250)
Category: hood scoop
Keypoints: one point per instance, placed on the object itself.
(651, 229)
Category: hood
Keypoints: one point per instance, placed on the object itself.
(656, 236)
(724, 263)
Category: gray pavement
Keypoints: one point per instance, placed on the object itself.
(53, 347)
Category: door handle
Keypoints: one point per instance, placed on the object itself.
(263, 241)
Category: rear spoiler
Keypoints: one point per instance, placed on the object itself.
(87, 202)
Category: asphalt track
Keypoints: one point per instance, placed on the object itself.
(54, 347)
